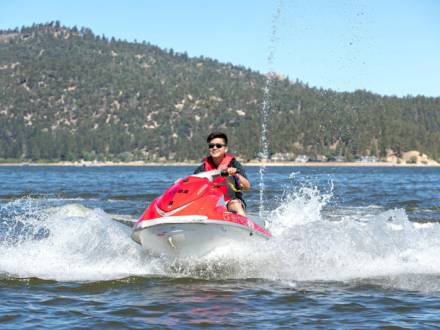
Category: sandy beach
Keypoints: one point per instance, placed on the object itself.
(253, 164)
(341, 164)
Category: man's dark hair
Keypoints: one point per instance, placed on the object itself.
(215, 135)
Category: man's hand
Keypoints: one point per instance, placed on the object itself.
(232, 171)
(244, 183)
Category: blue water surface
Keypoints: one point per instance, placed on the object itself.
(355, 247)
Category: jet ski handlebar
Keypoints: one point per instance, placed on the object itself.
(226, 173)
(211, 174)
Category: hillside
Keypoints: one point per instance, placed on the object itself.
(66, 94)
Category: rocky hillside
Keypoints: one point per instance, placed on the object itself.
(66, 94)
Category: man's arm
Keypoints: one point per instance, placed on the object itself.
(238, 170)
(244, 182)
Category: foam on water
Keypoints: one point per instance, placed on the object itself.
(69, 242)
(311, 242)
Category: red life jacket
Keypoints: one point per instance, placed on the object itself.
(221, 181)
(209, 165)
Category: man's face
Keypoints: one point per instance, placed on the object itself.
(217, 147)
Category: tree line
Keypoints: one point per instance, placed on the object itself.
(68, 94)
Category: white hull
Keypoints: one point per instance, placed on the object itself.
(190, 236)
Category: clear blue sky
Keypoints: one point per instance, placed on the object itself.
(389, 47)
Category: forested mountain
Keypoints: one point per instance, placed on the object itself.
(66, 94)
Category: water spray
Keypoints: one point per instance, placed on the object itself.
(264, 143)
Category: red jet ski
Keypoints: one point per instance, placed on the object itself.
(190, 220)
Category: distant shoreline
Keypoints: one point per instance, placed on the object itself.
(250, 164)
(342, 164)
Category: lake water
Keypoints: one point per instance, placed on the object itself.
(351, 248)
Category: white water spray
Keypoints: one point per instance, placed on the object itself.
(310, 243)
(264, 143)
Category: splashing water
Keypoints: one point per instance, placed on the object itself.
(311, 242)
(264, 143)
(70, 242)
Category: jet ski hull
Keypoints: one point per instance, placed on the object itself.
(191, 236)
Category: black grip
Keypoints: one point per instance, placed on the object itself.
(225, 172)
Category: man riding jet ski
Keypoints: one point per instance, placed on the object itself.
(201, 212)
(236, 181)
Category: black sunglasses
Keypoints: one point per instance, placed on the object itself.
(217, 145)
